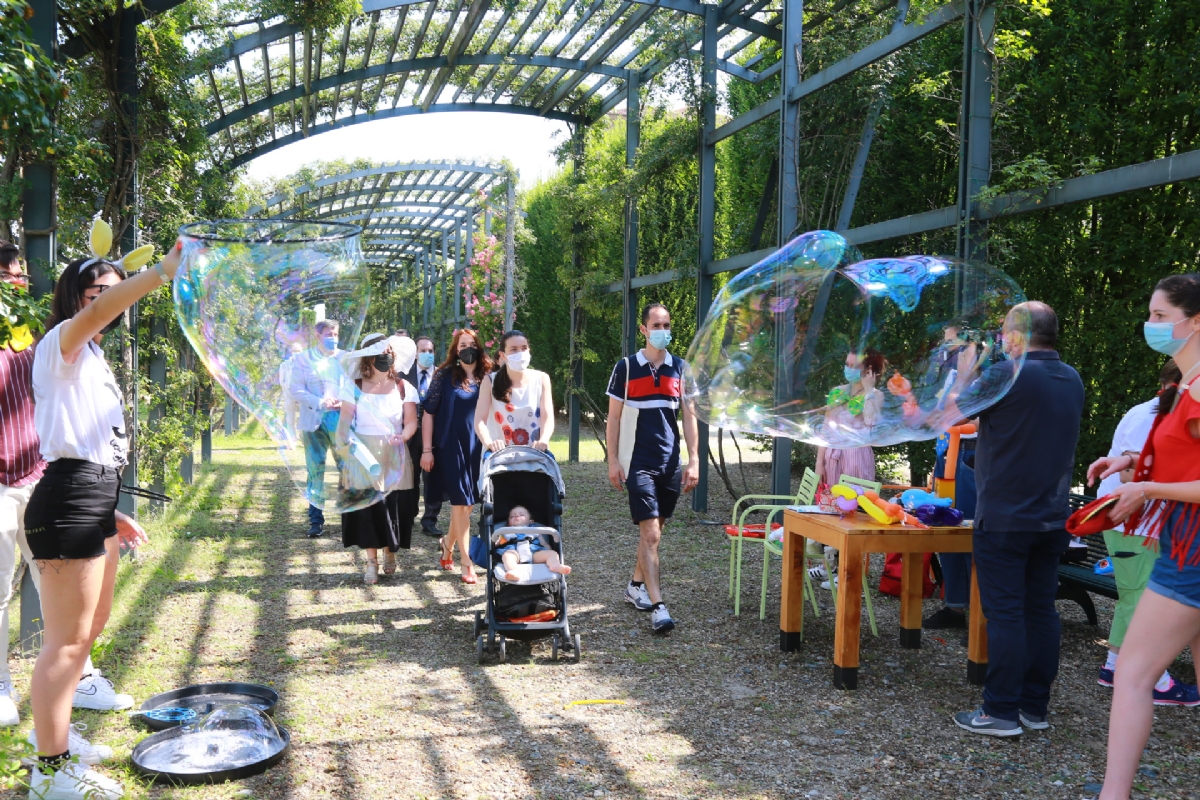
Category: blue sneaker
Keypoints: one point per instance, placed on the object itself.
(978, 722)
(1034, 722)
(1106, 677)
(1180, 694)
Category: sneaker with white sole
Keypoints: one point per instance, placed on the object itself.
(72, 781)
(978, 722)
(88, 753)
(660, 619)
(96, 692)
(1034, 722)
(9, 700)
(818, 573)
(638, 597)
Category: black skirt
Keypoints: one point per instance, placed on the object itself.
(387, 524)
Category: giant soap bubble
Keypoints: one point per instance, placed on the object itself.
(816, 344)
(248, 295)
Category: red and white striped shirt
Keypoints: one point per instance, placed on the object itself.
(20, 458)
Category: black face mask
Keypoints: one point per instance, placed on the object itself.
(112, 326)
(468, 355)
(383, 362)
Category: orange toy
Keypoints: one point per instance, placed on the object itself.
(956, 432)
(899, 385)
(886, 513)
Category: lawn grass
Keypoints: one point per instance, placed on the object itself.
(384, 699)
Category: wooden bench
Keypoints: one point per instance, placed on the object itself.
(1077, 579)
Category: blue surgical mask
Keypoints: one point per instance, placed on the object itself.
(1161, 337)
(659, 339)
(425, 360)
(330, 342)
(853, 374)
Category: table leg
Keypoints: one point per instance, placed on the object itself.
(977, 645)
(912, 590)
(847, 628)
(791, 608)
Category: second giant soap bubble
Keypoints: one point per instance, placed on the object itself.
(248, 296)
(816, 344)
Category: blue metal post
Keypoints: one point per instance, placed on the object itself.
(39, 214)
(708, 211)
(789, 153)
(975, 125)
(573, 405)
(633, 135)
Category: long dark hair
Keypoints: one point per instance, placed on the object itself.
(502, 381)
(1183, 292)
(68, 291)
(483, 364)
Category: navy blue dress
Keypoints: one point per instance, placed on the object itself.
(456, 449)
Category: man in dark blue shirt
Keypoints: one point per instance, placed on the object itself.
(1023, 464)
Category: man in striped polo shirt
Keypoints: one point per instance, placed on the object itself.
(644, 398)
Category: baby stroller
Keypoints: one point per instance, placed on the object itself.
(522, 476)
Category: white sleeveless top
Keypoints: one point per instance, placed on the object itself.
(519, 421)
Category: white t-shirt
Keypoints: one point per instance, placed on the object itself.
(78, 409)
(379, 414)
(1132, 432)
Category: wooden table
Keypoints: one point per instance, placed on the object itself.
(855, 537)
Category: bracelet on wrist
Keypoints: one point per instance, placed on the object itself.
(161, 273)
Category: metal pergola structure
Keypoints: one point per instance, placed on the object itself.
(272, 84)
(419, 221)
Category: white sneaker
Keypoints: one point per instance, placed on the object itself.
(660, 619)
(96, 692)
(88, 753)
(73, 782)
(9, 700)
(818, 572)
(638, 597)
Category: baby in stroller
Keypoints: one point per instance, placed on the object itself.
(519, 548)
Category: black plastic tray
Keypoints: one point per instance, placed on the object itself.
(192, 778)
(205, 696)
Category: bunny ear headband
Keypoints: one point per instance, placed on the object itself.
(100, 242)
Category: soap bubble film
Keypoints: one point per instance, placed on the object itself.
(869, 350)
(248, 295)
(228, 738)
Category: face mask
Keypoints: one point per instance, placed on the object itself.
(852, 374)
(468, 355)
(330, 343)
(659, 339)
(517, 362)
(425, 360)
(112, 326)
(383, 362)
(1161, 337)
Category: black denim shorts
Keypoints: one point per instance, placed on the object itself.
(72, 510)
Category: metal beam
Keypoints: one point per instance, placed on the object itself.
(789, 199)
(707, 217)
(880, 49)
(975, 128)
(633, 133)
(756, 114)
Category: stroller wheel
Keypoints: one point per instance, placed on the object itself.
(578, 648)
(554, 647)
(478, 622)
(501, 649)
(479, 648)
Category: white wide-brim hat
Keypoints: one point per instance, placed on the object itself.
(374, 344)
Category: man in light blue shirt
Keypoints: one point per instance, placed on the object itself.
(313, 385)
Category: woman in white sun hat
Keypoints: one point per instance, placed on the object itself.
(378, 417)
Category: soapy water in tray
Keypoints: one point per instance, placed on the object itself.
(210, 751)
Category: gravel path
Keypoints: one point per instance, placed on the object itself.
(384, 698)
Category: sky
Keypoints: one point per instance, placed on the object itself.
(527, 141)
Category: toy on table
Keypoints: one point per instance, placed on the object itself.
(939, 516)
(912, 499)
(873, 505)
(845, 498)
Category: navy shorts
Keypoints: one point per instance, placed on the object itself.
(653, 494)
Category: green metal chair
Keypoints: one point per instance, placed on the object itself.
(737, 534)
(866, 484)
